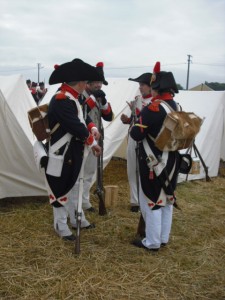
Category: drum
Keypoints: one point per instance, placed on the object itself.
(38, 118)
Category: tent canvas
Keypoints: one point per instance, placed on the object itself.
(210, 140)
(18, 173)
(201, 87)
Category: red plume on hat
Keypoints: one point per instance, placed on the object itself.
(162, 80)
(100, 64)
(99, 67)
(156, 67)
(156, 70)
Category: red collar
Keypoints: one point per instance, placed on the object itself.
(147, 96)
(165, 97)
(66, 88)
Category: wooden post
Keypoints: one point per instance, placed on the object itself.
(111, 195)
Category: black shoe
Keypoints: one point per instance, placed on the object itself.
(163, 244)
(138, 243)
(134, 208)
(91, 226)
(69, 238)
(91, 209)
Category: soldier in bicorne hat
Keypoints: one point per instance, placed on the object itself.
(136, 106)
(95, 104)
(158, 170)
(70, 134)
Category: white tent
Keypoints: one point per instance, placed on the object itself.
(201, 87)
(18, 173)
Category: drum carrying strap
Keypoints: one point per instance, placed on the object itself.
(55, 161)
(57, 145)
(168, 109)
(153, 163)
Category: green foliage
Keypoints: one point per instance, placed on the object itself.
(216, 86)
(179, 86)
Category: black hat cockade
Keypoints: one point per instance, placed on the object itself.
(75, 70)
(163, 81)
(99, 67)
(144, 78)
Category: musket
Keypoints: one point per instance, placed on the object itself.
(99, 178)
(203, 163)
(79, 205)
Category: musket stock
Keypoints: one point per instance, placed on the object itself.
(79, 205)
(99, 178)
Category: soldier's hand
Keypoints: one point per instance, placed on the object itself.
(97, 150)
(99, 94)
(124, 118)
(96, 134)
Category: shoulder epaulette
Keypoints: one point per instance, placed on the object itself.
(60, 96)
(154, 106)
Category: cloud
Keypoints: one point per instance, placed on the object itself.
(128, 33)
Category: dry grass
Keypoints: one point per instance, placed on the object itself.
(36, 264)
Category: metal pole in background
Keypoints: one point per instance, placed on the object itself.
(189, 60)
(39, 67)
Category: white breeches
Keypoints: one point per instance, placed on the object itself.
(61, 214)
(131, 170)
(157, 223)
(90, 167)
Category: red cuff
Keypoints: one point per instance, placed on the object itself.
(89, 140)
(108, 110)
(90, 102)
(90, 126)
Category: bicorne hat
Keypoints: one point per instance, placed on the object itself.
(163, 81)
(99, 67)
(75, 70)
(144, 78)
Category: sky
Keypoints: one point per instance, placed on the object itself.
(128, 36)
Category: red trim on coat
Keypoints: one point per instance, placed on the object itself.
(66, 88)
(108, 110)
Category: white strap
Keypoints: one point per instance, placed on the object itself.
(148, 150)
(66, 138)
(167, 108)
(54, 128)
(152, 161)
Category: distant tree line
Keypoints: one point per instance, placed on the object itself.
(179, 86)
(216, 86)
